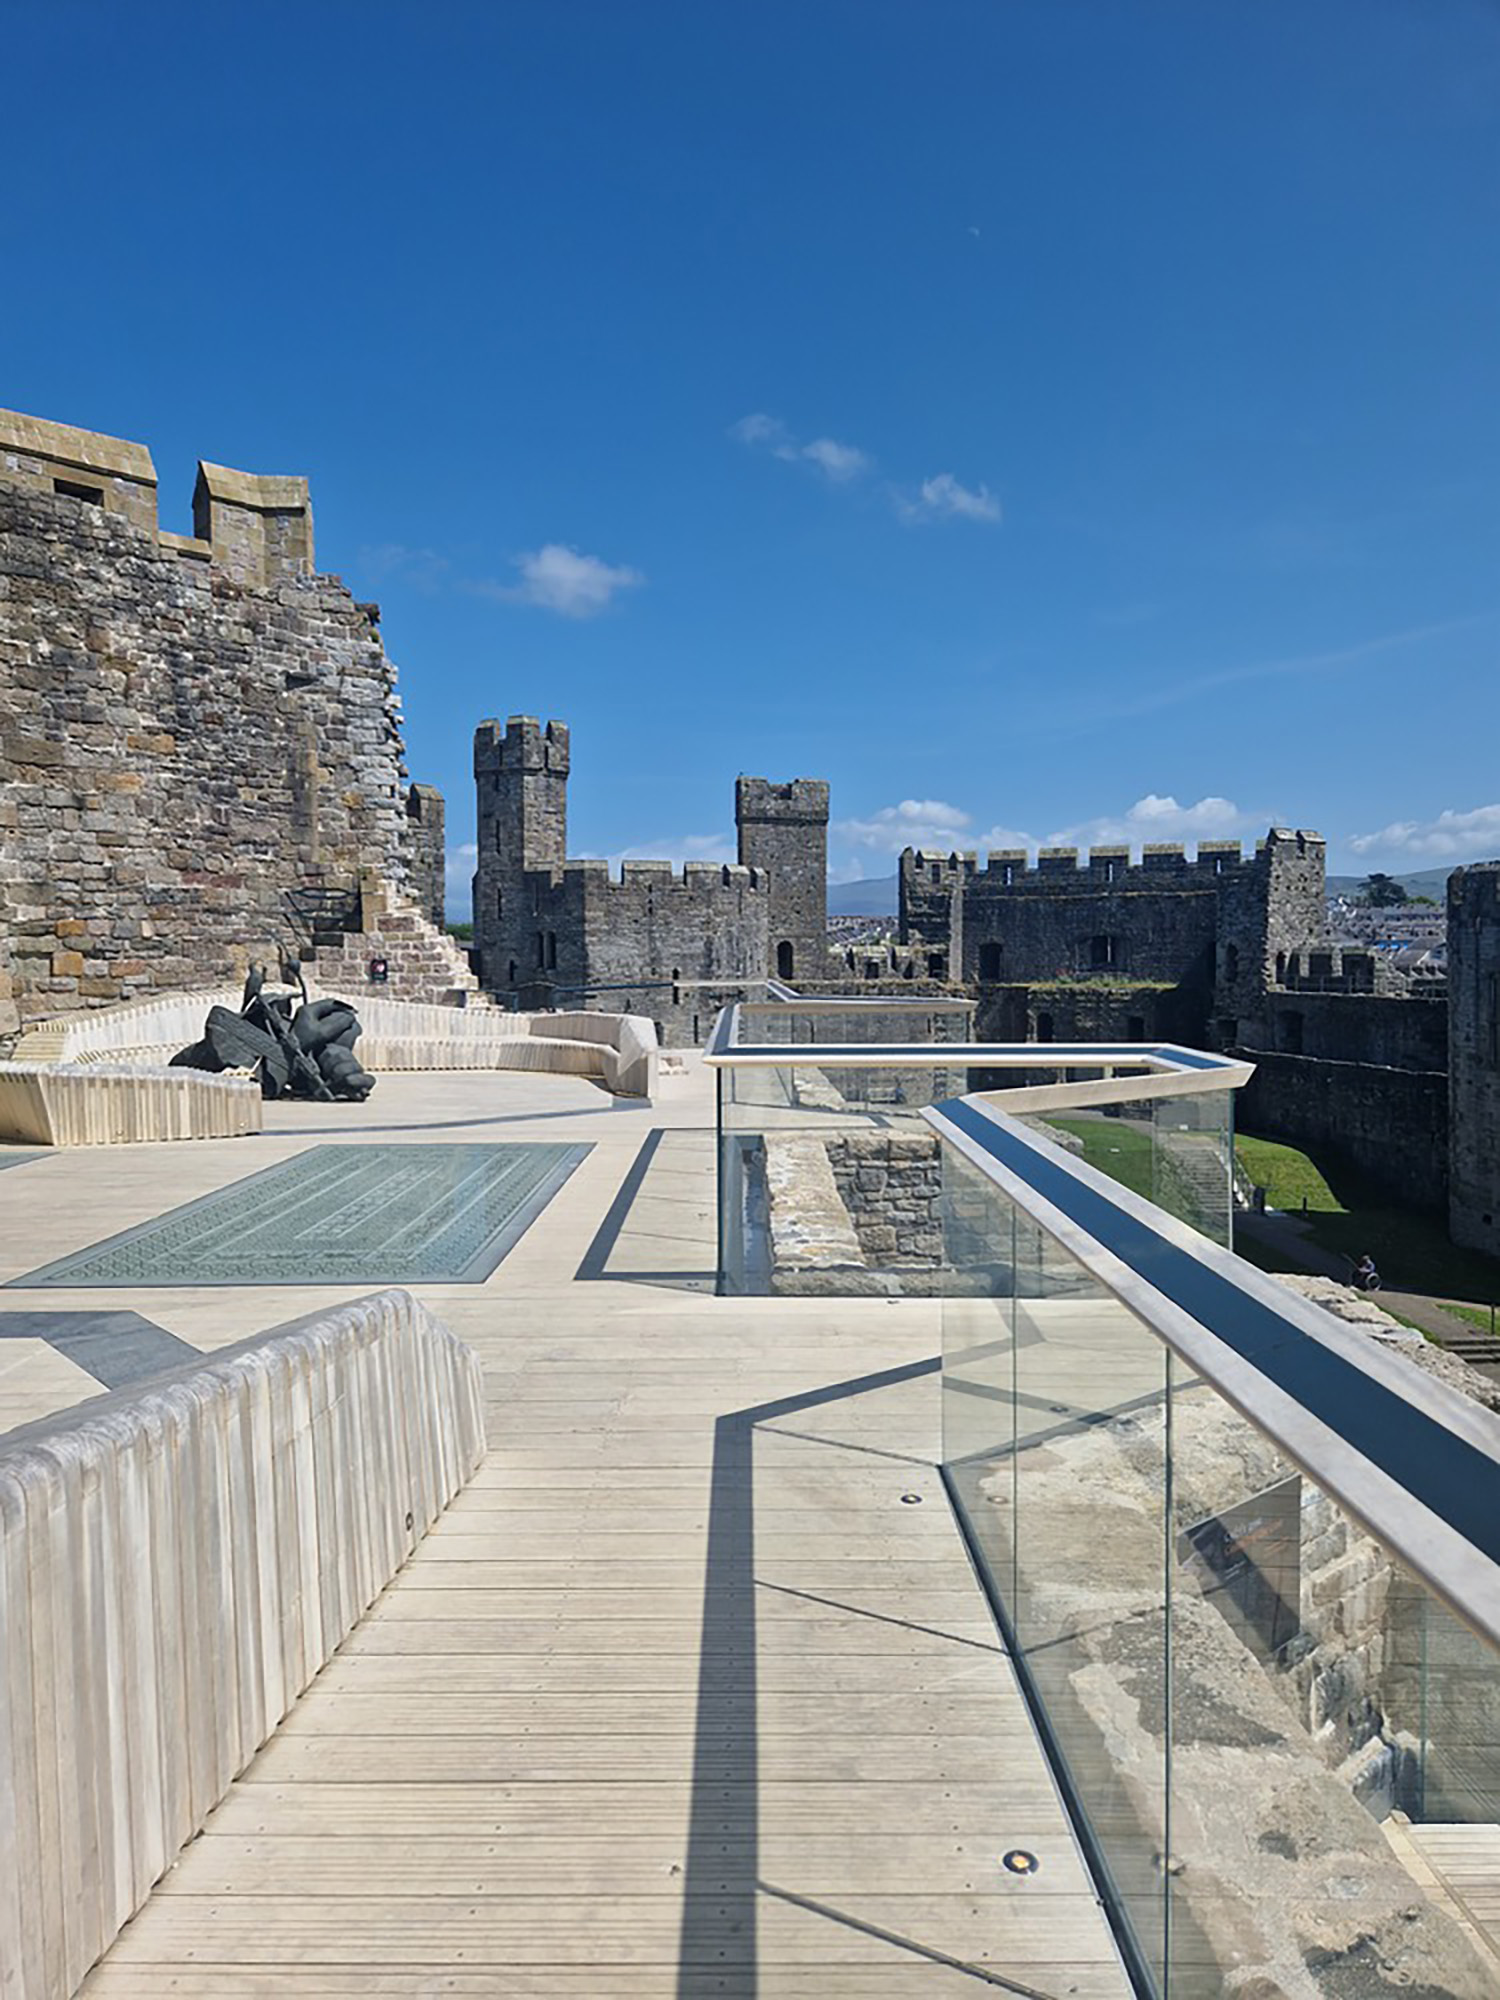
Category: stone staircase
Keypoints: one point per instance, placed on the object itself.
(423, 962)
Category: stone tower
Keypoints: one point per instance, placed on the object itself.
(784, 830)
(1266, 912)
(521, 776)
(1474, 1056)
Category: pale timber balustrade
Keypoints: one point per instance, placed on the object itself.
(177, 1561)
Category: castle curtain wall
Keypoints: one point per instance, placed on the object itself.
(176, 750)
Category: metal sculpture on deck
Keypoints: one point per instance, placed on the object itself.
(297, 1049)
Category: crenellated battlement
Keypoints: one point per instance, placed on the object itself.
(1067, 867)
(256, 527)
(524, 744)
(798, 802)
(692, 878)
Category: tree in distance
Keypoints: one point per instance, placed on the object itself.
(1383, 892)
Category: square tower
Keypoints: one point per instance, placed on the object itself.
(783, 829)
(521, 777)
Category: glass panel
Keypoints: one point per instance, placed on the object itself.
(1054, 1403)
(829, 1178)
(1323, 1689)
(1283, 1755)
(1193, 1158)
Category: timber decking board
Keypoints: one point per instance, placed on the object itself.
(692, 1692)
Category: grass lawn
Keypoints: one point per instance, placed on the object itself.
(1347, 1216)
(1477, 1316)
(1116, 1146)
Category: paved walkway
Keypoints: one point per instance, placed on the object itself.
(691, 1692)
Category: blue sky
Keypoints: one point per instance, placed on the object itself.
(1041, 418)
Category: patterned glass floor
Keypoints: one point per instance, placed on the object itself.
(335, 1215)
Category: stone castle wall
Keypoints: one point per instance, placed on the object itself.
(1474, 1055)
(673, 945)
(177, 749)
(1391, 1124)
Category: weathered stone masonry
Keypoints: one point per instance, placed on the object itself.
(189, 726)
(549, 931)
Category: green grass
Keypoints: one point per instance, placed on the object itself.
(1288, 1177)
(1116, 1147)
(1349, 1217)
(1478, 1316)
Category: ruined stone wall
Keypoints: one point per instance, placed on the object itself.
(176, 750)
(1474, 1055)
(1391, 1124)
(1390, 1033)
(1088, 1012)
(426, 852)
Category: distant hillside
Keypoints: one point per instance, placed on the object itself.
(1430, 882)
(863, 899)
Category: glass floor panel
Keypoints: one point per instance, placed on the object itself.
(339, 1215)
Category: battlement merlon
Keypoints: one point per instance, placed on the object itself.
(110, 472)
(258, 525)
(800, 801)
(523, 745)
(697, 877)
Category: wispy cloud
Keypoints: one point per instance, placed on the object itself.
(1453, 836)
(1197, 686)
(423, 569)
(944, 498)
(562, 579)
(554, 577)
(839, 463)
(939, 498)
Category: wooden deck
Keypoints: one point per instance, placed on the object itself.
(692, 1691)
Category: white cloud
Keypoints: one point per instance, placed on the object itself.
(839, 463)
(561, 579)
(912, 823)
(937, 499)
(714, 847)
(1155, 818)
(944, 498)
(1452, 836)
(939, 826)
(758, 428)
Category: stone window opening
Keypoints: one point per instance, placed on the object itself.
(784, 959)
(937, 965)
(989, 960)
(552, 951)
(73, 489)
(1291, 1034)
(1281, 968)
(1231, 962)
(1044, 1027)
(1135, 1028)
(541, 951)
(1104, 952)
(499, 904)
(513, 972)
